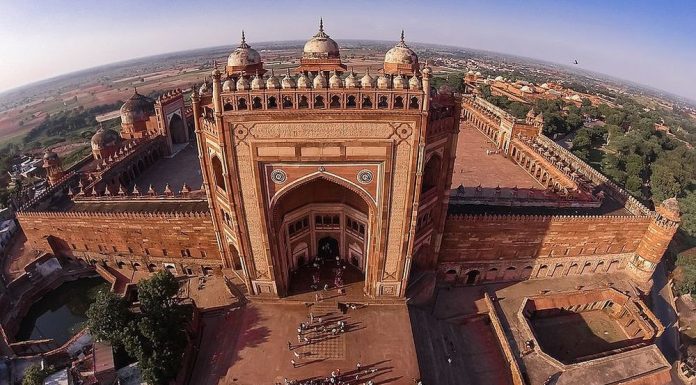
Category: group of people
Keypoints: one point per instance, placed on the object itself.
(353, 377)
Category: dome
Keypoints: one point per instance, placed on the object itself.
(367, 80)
(303, 81)
(105, 138)
(414, 83)
(399, 82)
(471, 72)
(272, 82)
(545, 86)
(319, 81)
(242, 83)
(499, 78)
(383, 82)
(288, 81)
(204, 89)
(321, 46)
(335, 81)
(138, 108)
(401, 54)
(351, 81)
(228, 85)
(526, 89)
(243, 56)
(478, 73)
(257, 82)
(50, 156)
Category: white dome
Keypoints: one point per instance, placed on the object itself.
(244, 55)
(303, 81)
(242, 83)
(526, 89)
(321, 46)
(335, 81)
(351, 81)
(545, 86)
(228, 85)
(399, 82)
(257, 83)
(383, 82)
(288, 81)
(319, 81)
(414, 83)
(367, 80)
(499, 78)
(478, 73)
(272, 82)
(401, 54)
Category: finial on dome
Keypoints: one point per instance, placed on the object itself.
(321, 24)
(243, 37)
(402, 35)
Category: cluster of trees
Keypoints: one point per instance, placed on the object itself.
(35, 375)
(64, 122)
(154, 334)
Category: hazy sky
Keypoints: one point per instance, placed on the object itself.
(650, 42)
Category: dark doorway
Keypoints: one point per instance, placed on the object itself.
(176, 127)
(472, 276)
(327, 249)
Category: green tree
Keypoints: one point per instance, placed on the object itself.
(108, 317)
(685, 274)
(34, 375)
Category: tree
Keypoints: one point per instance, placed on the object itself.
(108, 317)
(34, 375)
(685, 274)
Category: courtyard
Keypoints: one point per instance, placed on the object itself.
(249, 345)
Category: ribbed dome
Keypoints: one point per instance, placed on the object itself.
(351, 81)
(321, 46)
(319, 81)
(105, 138)
(399, 82)
(50, 156)
(244, 55)
(383, 82)
(335, 81)
(138, 108)
(414, 83)
(203, 89)
(242, 83)
(288, 81)
(303, 81)
(272, 82)
(401, 54)
(228, 85)
(367, 80)
(257, 83)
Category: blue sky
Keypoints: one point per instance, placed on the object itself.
(649, 42)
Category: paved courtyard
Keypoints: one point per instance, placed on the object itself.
(249, 345)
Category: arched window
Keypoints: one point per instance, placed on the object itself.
(351, 102)
(335, 102)
(228, 107)
(287, 102)
(414, 103)
(272, 103)
(382, 102)
(319, 102)
(431, 173)
(303, 103)
(256, 103)
(217, 172)
(399, 102)
(241, 104)
(367, 102)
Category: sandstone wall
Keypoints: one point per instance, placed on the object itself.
(185, 239)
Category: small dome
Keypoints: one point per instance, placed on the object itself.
(50, 155)
(303, 81)
(321, 46)
(319, 81)
(478, 73)
(401, 54)
(203, 89)
(257, 82)
(471, 72)
(351, 81)
(399, 82)
(137, 108)
(414, 83)
(367, 80)
(242, 83)
(228, 85)
(105, 138)
(383, 82)
(288, 82)
(272, 82)
(545, 86)
(335, 81)
(244, 55)
(526, 89)
(499, 78)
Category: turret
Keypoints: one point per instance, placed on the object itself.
(652, 247)
(53, 167)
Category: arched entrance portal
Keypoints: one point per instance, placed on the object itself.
(177, 129)
(323, 236)
(327, 249)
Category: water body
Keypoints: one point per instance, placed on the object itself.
(61, 313)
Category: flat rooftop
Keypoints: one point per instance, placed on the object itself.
(474, 167)
(183, 167)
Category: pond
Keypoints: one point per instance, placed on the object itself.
(61, 313)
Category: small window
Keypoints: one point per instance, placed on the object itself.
(147, 251)
(287, 102)
(399, 102)
(319, 102)
(303, 102)
(256, 103)
(203, 254)
(183, 252)
(73, 246)
(382, 102)
(272, 103)
(130, 250)
(367, 102)
(414, 103)
(351, 102)
(241, 104)
(115, 249)
(335, 102)
(164, 252)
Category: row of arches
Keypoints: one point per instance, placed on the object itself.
(515, 273)
(175, 269)
(341, 101)
(135, 168)
(534, 168)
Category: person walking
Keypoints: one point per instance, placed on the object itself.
(294, 364)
